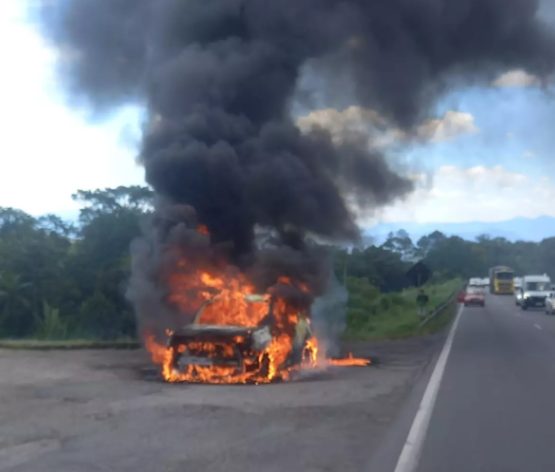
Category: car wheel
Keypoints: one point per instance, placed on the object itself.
(524, 307)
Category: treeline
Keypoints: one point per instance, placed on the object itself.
(385, 267)
(60, 280)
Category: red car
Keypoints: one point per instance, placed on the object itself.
(473, 296)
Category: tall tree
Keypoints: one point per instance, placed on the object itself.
(15, 317)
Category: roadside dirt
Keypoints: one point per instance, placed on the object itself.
(107, 410)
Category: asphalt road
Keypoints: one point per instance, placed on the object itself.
(103, 410)
(106, 411)
(495, 409)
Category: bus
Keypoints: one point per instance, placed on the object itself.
(501, 280)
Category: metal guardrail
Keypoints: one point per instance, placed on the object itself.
(439, 309)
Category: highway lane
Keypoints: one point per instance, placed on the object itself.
(495, 409)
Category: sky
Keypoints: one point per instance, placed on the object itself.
(484, 154)
(50, 149)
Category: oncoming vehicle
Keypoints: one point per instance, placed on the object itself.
(478, 282)
(518, 292)
(501, 280)
(535, 289)
(474, 296)
(474, 282)
(550, 303)
(518, 296)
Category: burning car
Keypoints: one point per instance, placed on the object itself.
(224, 325)
(238, 336)
(235, 351)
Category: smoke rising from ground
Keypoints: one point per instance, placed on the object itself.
(218, 77)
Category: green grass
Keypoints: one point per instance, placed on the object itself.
(372, 315)
(38, 344)
(440, 321)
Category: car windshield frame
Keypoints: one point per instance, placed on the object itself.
(538, 286)
(474, 290)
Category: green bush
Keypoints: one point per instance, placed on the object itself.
(98, 317)
(394, 315)
(50, 325)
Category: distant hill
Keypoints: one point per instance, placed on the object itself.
(525, 229)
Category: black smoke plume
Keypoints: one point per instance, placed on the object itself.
(218, 78)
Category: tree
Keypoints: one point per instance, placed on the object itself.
(401, 243)
(14, 304)
(99, 317)
(427, 243)
(100, 261)
(14, 221)
(135, 199)
(54, 225)
(384, 269)
(452, 257)
(55, 272)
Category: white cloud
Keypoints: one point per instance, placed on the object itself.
(516, 78)
(353, 120)
(459, 194)
(450, 126)
(48, 151)
(356, 120)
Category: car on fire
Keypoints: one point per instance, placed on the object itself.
(242, 349)
(474, 296)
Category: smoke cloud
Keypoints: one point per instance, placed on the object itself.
(218, 78)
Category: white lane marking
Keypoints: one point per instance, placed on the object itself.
(410, 455)
(537, 326)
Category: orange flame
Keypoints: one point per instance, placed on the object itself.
(225, 298)
(203, 229)
(350, 361)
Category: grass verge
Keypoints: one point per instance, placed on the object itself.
(375, 316)
(38, 344)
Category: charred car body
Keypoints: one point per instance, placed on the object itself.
(243, 349)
